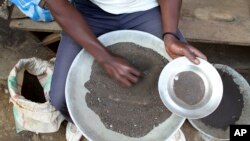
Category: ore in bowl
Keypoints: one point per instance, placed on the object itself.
(189, 90)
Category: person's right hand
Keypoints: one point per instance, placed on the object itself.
(120, 70)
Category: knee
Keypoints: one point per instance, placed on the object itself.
(60, 105)
(58, 102)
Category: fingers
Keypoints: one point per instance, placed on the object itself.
(127, 76)
(120, 78)
(197, 52)
(130, 76)
(125, 82)
(180, 49)
(190, 56)
(135, 72)
(120, 70)
(192, 53)
(176, 48)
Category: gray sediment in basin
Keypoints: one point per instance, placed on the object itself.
(131, 111)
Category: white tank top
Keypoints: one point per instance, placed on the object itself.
(125, 6)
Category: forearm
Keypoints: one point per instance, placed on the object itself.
(74, 24)
(170, 10)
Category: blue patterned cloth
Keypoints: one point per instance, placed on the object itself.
(31, 9)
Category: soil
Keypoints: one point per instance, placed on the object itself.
(32, 89)
(133, 111)
(231, 98)
(189, 87)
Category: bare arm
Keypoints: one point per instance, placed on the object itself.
(73, 23)
(170, 10)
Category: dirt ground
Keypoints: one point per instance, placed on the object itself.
(15, 45)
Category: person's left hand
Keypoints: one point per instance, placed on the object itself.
(176, 48)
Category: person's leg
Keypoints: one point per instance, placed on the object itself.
(66, 52)
(100, 23)
(148, 21)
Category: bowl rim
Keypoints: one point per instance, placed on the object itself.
(213, 88)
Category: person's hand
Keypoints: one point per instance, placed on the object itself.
(176, 48)
(120, 70)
